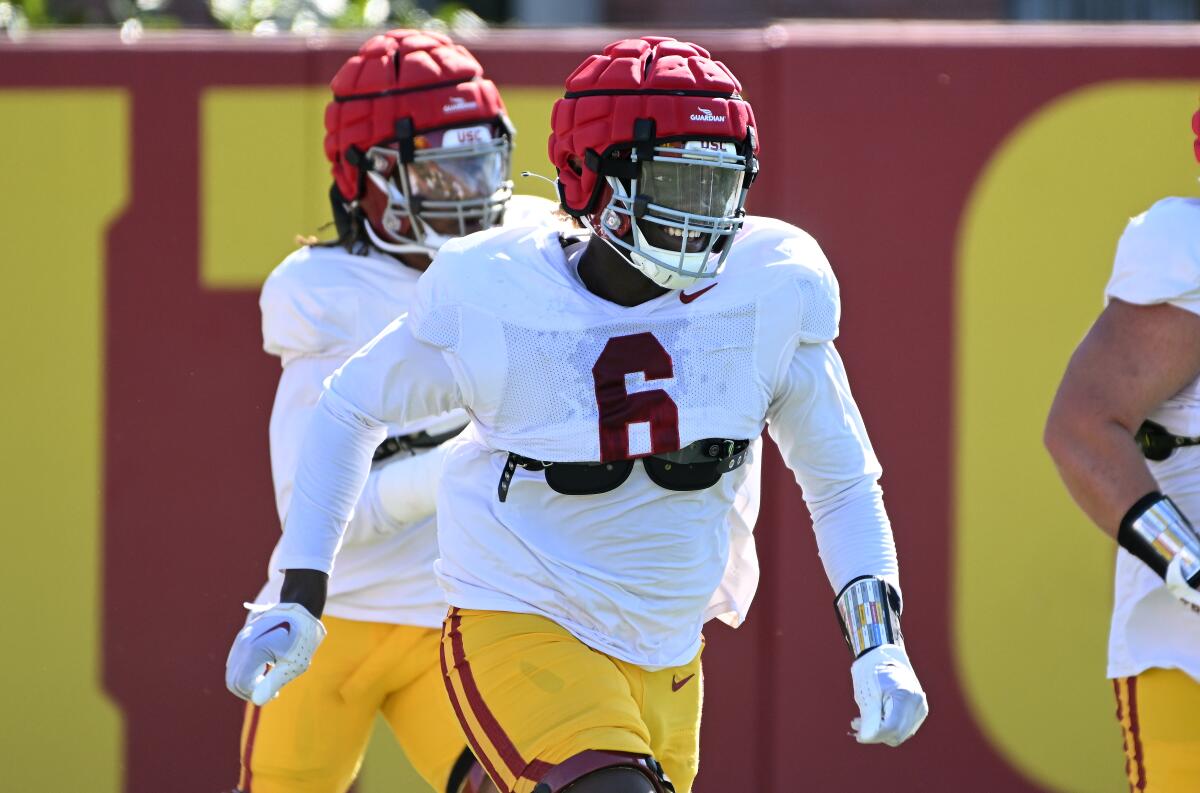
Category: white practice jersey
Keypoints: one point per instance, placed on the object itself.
(504, 326)
(319, 306)
(1158, 261)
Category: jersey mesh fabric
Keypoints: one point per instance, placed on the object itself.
(819, 317)
(441, 327)
(548, 362)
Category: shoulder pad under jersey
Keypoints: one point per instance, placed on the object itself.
(308, 307)
(786, 264)
(1158, 257)
(476, 270)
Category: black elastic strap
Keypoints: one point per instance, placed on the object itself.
(751, 160)
(612, 166)
(342, 221)
(643, 138)
(414, 440)
(404, 136)
(510, 468)
(1129, 538)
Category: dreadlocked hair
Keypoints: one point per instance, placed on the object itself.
(347, 222)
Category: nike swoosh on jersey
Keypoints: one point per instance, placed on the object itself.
(678, 684)
(287, 628)
(689, 298)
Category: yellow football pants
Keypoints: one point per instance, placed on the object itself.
(1157, 710)
(311, 739)
(529, 695)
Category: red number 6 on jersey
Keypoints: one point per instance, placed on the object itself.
(622, 355)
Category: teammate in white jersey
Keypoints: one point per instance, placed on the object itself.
(1124, 431)
(420, 147)
(585, 524)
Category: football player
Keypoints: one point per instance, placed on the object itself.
(419, 145)
(1123, 431)
(615, 383)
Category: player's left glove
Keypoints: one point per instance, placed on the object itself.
(275, 647)
(891, 702)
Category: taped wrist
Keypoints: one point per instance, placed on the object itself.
(1155, 531)
(868, 609)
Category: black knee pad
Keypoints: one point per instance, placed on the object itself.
(459, 773)
(466, 776)
(560, 778)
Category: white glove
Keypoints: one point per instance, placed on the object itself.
(891, 703)
(1178, 585)
(274, 648)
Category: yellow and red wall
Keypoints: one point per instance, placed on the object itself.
(969, 184)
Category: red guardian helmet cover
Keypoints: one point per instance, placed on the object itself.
(1196, 132)
(653, 142)
(418, 138)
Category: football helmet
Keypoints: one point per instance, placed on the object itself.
(419, 142)
(655, 150)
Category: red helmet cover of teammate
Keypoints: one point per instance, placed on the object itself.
(402, 87)
(1196, 131)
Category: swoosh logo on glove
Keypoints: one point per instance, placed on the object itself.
(287, 628)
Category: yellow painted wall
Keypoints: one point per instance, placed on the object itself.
(263, 180)
(66, 175)
(1033, 576)
(529, 109)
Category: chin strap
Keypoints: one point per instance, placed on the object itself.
(599, 233)
(664, 278)
(407, 247)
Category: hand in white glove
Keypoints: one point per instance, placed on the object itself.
(1179, 586)
(891, 703)
(274, 648)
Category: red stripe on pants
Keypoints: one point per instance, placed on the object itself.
(480, 755)
(247, 774)
(1121, 723)
(491, 728)
(1137, 739)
